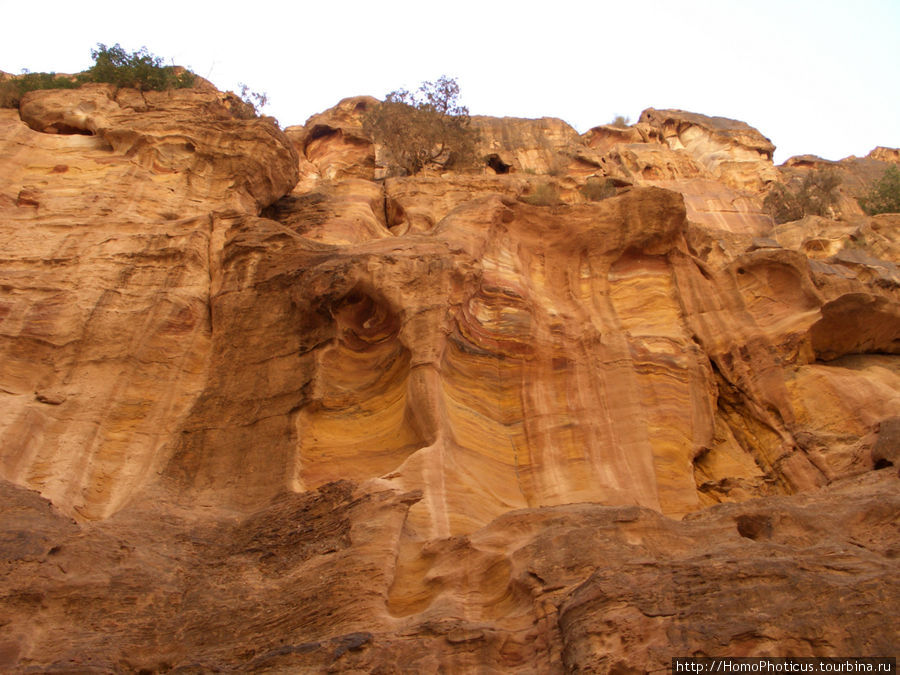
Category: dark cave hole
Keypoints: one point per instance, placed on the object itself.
(497, 164)
(755, 526)
(67, 130)
(353, 298)
(321, 131)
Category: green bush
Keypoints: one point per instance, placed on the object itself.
(12, 90)
(884, 194)
(596, 189)
(141, 70)
(816, 196)
(620, 122)
(428, 126)
(545, 194)
(33, 81)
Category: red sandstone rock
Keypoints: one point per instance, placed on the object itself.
(341, 423)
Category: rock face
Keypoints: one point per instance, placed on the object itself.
(327, 580)
(111, 248)
(258, 396)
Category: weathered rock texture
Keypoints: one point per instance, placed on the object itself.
(263, 408)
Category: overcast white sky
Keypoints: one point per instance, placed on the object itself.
(815, 76)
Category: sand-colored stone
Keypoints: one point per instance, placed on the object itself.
(110, 247)
(540, 146)
(301, 416)
(602, 138)
(733, 151)
(332, 144)
(883, 154)
(177, 132)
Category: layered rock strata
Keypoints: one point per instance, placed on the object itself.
(248, 371)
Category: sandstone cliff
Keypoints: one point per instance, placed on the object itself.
(263, 406)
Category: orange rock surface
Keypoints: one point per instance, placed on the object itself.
(265, 406)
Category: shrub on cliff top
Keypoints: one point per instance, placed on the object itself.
(12, 90)
(816, 196)
(140, 69)
(423, 127)
(884, 194)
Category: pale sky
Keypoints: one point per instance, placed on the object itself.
(815, 76)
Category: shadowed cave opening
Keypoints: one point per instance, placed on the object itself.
(72, 127)
(61, 129)
(754, 526)
(321, 131)
(497, 164)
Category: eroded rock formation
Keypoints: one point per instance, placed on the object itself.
(267, 406)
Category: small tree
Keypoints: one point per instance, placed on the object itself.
(423, 127)
(248, 105)
(255, 99)
(140, 69)
(816, 196)
(884, 194)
